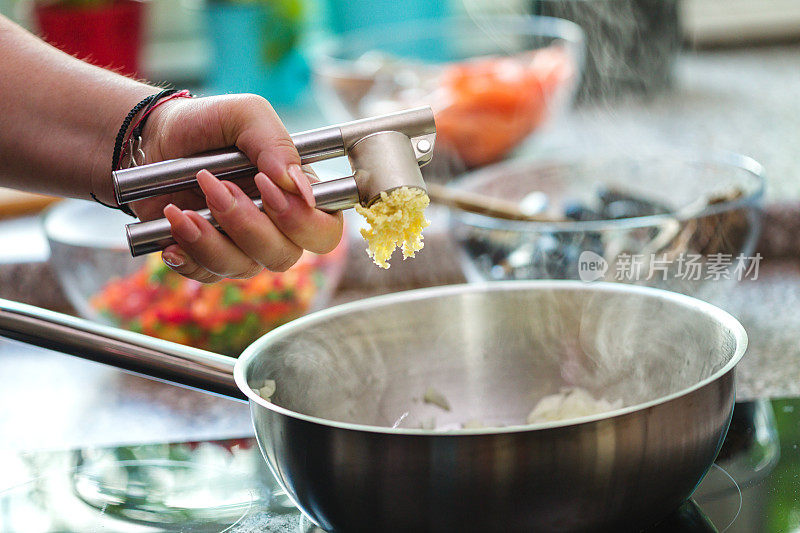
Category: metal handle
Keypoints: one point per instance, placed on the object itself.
(155, 235)
(137, 353)
(315, 145)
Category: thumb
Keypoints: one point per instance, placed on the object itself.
(254, 127)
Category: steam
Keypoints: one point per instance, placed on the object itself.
(493, 357)
(330, 374)
(638, 350)
(631, 49)
(614, 29)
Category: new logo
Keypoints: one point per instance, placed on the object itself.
(591, 266)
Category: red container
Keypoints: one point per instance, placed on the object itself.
(108, 35)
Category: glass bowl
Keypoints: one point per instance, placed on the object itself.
(660, 218)
(492, 81)
(90, 257)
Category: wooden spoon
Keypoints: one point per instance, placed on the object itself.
(484, 205)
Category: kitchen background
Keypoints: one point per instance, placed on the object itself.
(698, 78)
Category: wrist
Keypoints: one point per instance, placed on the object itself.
(154, 119)
(155, 130)
(130, 145)
(101, 184)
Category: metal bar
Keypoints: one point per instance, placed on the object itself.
(177, 174)
(137, 353)
(155, 235)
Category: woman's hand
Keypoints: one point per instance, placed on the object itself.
(253, 239)
(63, 146)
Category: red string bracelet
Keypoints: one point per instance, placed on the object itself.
(145, 107)
(139, 126)
(136, 131)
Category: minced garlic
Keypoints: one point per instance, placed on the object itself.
(397, 219)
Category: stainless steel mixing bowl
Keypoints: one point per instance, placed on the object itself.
(346, 375)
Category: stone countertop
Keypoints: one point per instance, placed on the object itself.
(768, 310)
(743, 100)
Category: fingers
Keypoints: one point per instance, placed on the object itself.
(207, 246)
(247, 121)
(303, 184)
(175, 258)
(260, 134)
(307, 227)
(251, 230)
(273, 238)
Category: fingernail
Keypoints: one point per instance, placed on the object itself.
(172, 260)
(272, 195)
(301, 180)
(310, 175)
(182, 226)
(218, 197)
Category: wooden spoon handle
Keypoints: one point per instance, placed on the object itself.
(482, 204)
(17, 203)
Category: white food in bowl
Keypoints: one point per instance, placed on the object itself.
(572, 402)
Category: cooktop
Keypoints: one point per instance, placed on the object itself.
(223, 485)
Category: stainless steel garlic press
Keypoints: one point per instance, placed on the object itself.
(385, 153)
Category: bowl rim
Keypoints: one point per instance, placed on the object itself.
(260, 348)
(571, 157)
(63, 208)
(325, 61)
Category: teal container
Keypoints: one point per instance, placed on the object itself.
(347, 15)
(255, 49)
(369, 19)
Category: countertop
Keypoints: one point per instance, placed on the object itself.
(744, 100)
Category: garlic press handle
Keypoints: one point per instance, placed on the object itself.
(155, 235)
(154, 179)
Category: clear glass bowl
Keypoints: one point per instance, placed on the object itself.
(492, 81)
(90, 257)
(704, 226)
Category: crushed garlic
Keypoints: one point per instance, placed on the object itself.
(397, 219)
